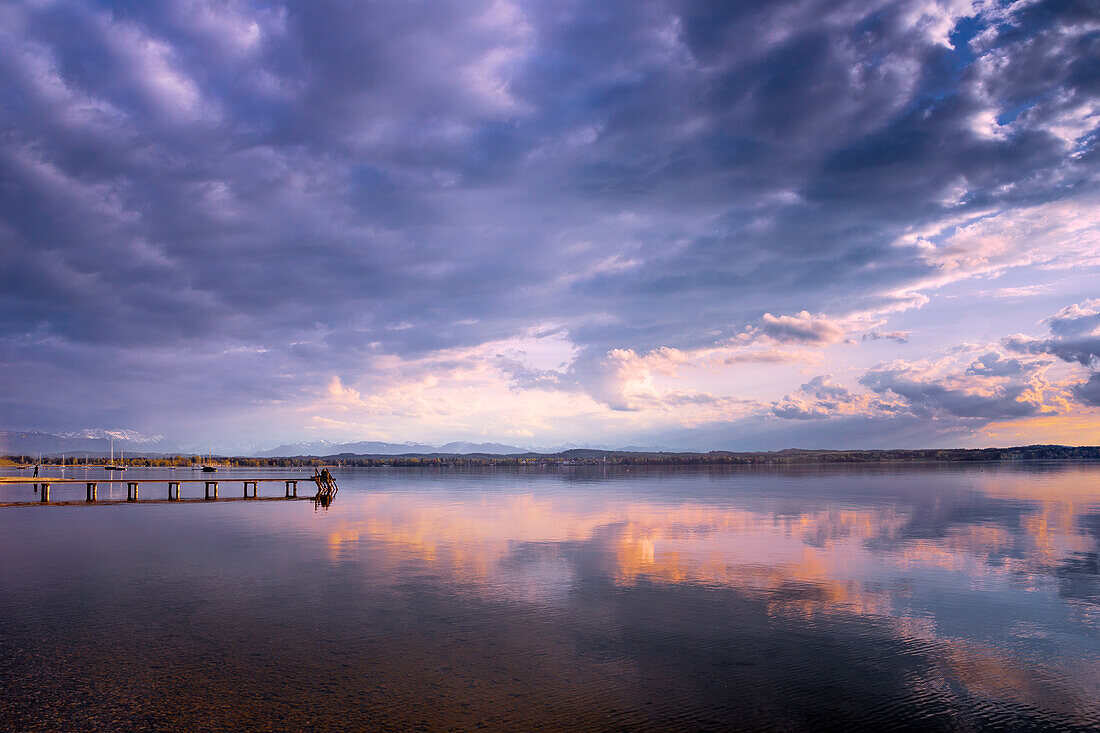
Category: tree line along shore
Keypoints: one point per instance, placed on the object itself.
(594, 457)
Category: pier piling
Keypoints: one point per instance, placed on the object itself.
(250, 486)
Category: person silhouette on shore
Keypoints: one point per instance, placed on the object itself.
(35, 471)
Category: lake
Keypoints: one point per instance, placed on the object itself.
(921, 596)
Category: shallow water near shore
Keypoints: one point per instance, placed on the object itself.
(914, 596)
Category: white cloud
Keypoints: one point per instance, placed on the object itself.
(1057, 235)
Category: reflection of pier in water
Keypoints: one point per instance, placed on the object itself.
(326, 490)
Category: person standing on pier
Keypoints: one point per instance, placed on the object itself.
(35, 471)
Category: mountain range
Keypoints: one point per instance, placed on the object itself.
(97, 443)
(90, 441)
(378, 448)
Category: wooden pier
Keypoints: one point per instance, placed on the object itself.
(326, 488)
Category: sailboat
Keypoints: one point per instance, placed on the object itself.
(111, 466)
(207, 467)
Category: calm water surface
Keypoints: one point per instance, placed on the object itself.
(922, 596)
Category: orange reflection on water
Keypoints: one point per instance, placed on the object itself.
(814, 560)
(817, 557)
(811, 562)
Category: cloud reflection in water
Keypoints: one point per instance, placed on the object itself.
(971, 566)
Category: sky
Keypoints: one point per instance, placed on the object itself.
(675, 223)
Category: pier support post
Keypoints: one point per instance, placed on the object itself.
(173, 490)
(45, 493)
(253, 485)
(131, 490)
(291, 486)
(211, 489)
(93, 488)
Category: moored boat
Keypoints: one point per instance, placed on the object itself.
(111, 466)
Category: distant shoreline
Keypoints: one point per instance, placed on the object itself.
(592, 457)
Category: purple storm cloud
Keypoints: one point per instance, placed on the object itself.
(651, 222)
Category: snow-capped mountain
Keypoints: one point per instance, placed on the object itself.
(378, 448)
(130, 436)
(93, 441)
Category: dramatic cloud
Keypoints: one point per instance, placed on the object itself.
(1074, 338)
(802, 327)
(1089, 392)
(992, 364)
(1075, 335)
(991, 388)
(823, 398)
(898, 337)
(242, 218)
